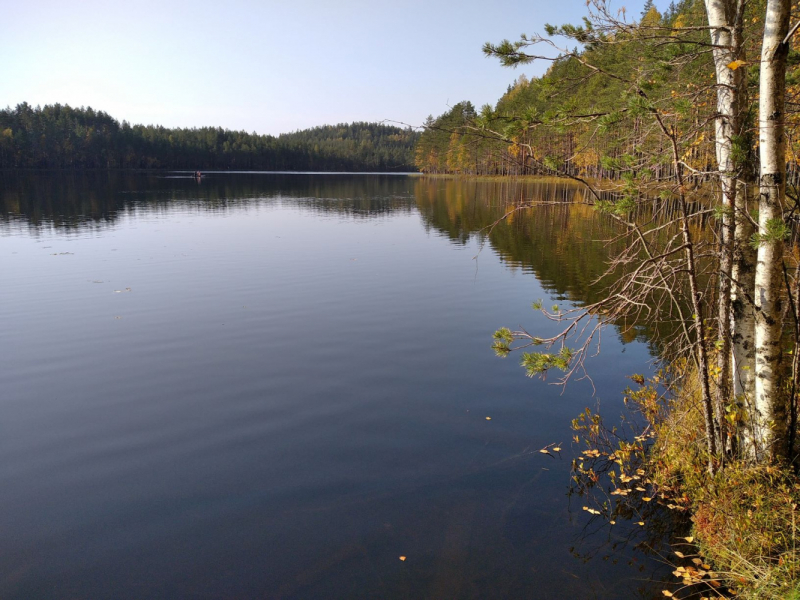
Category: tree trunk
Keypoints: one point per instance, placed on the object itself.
(743, 318)
(724, 18)
(769, 420)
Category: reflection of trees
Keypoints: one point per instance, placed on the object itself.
(565, 243)
(96, 199)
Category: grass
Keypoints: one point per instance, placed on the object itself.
(745, 517)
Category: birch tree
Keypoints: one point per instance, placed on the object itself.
(769, 418)
(725, 20)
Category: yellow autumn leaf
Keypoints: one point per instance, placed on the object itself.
(689, 539)
(488, 418)
(402, 558)
(680, 554)
(557, 449)
(667, 593)
(736, 64)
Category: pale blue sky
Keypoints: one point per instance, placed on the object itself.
(268, 66)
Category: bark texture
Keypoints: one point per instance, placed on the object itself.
(768, 419)
(725, 21)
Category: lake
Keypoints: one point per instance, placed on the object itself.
(277, 385)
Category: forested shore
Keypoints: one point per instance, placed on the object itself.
(689, 119)
(574, 120)
(62, 137)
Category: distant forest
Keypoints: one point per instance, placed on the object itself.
(59, 136)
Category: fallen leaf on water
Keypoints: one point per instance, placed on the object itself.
(680, 554)
(488, 418)
(667, 593)
(641, 523)
(402, 558)
(557, 449)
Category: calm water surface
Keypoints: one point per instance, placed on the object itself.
(274, 386)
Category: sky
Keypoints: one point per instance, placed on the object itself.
(269, 67)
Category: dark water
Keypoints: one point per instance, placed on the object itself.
(274, 386)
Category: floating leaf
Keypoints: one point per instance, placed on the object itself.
(557, 449)
(488, 418)
(402, 558)
(680, 554)
(667, 593)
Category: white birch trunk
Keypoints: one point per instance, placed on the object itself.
(743, 317)
(769, 418)
(725, 21)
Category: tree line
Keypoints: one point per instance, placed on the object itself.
(63, 137)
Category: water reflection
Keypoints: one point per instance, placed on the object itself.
(294, 392)
(97, 199)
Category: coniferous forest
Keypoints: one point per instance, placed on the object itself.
(62, 137)
(582, 116)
